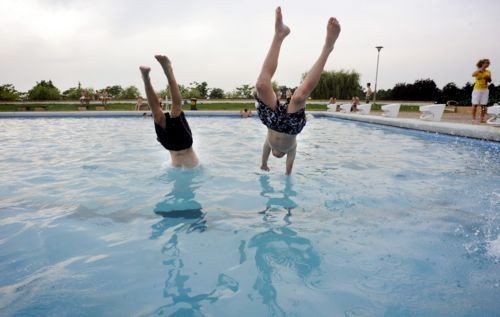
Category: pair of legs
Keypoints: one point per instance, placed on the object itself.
(482, 112)
(175, 94)
(298, 100)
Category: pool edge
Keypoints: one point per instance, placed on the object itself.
(483, 132)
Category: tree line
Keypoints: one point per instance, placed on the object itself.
(339, 84)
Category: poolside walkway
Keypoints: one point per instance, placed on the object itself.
(457, 124)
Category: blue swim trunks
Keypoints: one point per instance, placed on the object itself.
(279, 120)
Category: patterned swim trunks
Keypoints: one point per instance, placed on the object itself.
(279, 120)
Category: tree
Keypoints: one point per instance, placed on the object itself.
(384, 94)
(72, 93)
(340, 84)
(130, 92)
(200, 90)
(494, 93)
(216, 93)
(8, 93)
(426, 89)
(450, 92)
(44, 90)
(245, 91)
(422, 89)
(114, 91)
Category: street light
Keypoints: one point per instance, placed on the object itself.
(376, 74)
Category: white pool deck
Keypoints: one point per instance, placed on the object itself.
(476, 131)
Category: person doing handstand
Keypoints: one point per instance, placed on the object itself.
(172, 129)
(285, 121)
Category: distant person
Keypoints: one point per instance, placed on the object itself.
(138, 104)
(172, 129)
(285, 121)
(332, 104)
(480, 93)
(85, 99)
(369, 92)
(354, 104)
(245, 113)
(288, 95)
(105, 96)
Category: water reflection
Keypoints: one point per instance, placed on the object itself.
(281, 254)
(278, 199)
(181, 214)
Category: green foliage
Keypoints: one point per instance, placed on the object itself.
(114, 91)
(8, 93)
(130, 92)
(164, 93)
(44, 90)
(199, 90)
(245, 91)
(339, 84)
(422, 89)
(494, 94)
(216, 93)
(276, 86)
(73, 93)
(384, 94)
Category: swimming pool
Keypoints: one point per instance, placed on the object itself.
(375, 221)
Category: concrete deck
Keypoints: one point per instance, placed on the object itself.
(476, 131)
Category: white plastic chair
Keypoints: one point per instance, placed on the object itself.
(364, 108)
(331, 107)
(494, 111)
(432, 112)
(345, 108)
(391, 110)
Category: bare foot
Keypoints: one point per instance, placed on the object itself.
(332, 33)
(280, 29)
(163, 60)
(145, 71)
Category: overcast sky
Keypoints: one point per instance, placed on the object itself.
(223, 42)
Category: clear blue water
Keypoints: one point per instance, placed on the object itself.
(375, 221)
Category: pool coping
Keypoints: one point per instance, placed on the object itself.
(483, 132)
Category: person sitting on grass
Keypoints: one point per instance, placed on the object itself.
(285, 121)
(172, 129)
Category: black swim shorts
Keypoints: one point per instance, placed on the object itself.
(280, 120)
(177, 135)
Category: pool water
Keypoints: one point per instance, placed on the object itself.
(374, 221)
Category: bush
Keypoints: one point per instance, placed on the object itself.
(44, 90)
(8, 93)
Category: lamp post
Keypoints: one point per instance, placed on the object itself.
(376, 73)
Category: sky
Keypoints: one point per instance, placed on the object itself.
(223, 42)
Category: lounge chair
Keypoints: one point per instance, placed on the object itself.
(345, 108)
(432, 112)
(494, 111)
(364, 108)
(451, 106)
(391, 110)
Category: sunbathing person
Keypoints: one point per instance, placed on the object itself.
(285, 121)
(172, 129)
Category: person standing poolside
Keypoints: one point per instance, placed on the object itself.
(285, 121)
(369, 92)
(172, 129)
(480, 92)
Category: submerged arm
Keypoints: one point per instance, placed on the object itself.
(266, 150)
(290, 158)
